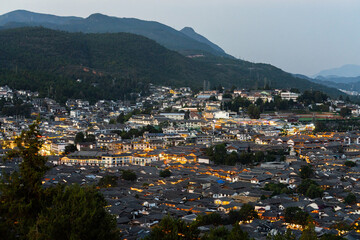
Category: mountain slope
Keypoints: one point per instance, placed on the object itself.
(112, 65)
(98, 23)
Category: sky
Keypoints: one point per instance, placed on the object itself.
(298, 36)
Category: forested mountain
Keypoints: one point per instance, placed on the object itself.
(99, 23)
(108, 66)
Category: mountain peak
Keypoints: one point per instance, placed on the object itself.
(190, 32)
(187, 29)
(27, 17)
(98, 16)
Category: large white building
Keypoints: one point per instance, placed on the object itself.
(289, 96)
(174, 116)
(221, 115)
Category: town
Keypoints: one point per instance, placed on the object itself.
(269, 159)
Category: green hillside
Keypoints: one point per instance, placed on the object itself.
(112, 65)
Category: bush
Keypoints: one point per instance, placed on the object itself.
(350, 164)
(165, 173)
(306, 172)
(108, 181)
(128, 175)
(296, 215)
(350, 199)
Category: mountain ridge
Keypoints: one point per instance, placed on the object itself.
(112, 65)
(100, 23)
(348, 70)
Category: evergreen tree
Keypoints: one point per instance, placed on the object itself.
(309, 232)
(21, 191)
(28, 211)
(79, 138)
(74, 213)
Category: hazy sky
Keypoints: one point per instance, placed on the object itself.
(299, 36)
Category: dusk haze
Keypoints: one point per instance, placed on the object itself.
(180, 120)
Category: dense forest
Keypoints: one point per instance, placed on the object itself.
(113, 65)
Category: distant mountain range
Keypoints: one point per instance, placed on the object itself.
(346, 71)
(186, 41)
(346, 77)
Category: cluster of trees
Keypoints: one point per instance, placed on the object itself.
(310, 189)
(70, 148)
(176, 229)
(108, 181)
(30, 211)
(133, 133)
(350, 164)
(15, 107)
(350, 199)
(122, 118)
(313, 97)
(277, 188)
(306, 171)
(345, 112)
(343, 125)
(296, 215)
(170, 228)
(222, 233)
(255, 109)
(128, 175)
(245, 214)
(236, 104)
(219, 155)
(80, 137)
